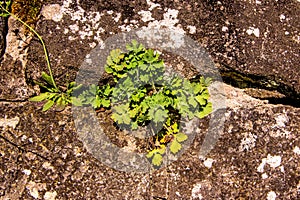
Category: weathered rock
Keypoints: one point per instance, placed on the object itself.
(257, 155)
(13, 82)
(257, 40)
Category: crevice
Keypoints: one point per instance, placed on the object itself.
(3, 33)
(284, 101)
(242, 80)
(22, 149)
(13, 100)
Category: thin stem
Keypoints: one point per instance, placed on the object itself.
(168, 129)
(153, 86)
(41, 40)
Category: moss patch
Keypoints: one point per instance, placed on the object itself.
(27, 10)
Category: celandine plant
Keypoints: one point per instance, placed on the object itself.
(144, 95)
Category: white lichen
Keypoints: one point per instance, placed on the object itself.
(9, 122)
(282, 17)
(254, 31)
(52, 12)
(27, 172)
(281, 120)
(50, 195)
(152, 5)
(196, 191)
(169, 29)
(296, 150)
(273, 161)
(224, 28)
(248, 142)
(208, 162)
(192, 29)
(271, 195)
(117, 18)
(264, 176)
(146, 15)
(87, 24)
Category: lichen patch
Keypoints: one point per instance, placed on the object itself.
(273, 161)
(52, 12)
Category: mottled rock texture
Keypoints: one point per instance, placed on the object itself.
(257, 155)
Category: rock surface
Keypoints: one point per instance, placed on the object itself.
(257, 155)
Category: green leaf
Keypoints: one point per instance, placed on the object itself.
(48, 105)
(121, 114)
(158, 113)
(206, 110)
(158, 65)
(40, 97)
(205, 81)
(47, 78)
(205, 93)
(107, 90)
(181, 137)
(77, 87)
(175, 127)
(150, 154)
(53, 95)
(96, 103)
(115, 55)
(157, 159)
(201, 100)
(197, 88)
(162, 149)
(71, 84)
(76, 101)
(134, 125)
(144, 78)
(106, 103)
(192, 101)
(61, 103)
(175, 146)
(108, 69)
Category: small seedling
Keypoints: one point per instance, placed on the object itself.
(55, 96)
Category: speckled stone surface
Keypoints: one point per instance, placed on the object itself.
(257, 155)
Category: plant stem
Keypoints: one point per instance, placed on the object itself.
(153, 86)
(41, 40)
(168, 129)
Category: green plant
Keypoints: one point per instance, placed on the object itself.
(5, 6)
(5, 13)
(96, 96)
(144, 95)
(53, 95)
(60, 97)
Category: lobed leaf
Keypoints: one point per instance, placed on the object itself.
(175, 146)
(157, 159)
(76, 101)
(180, 137)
